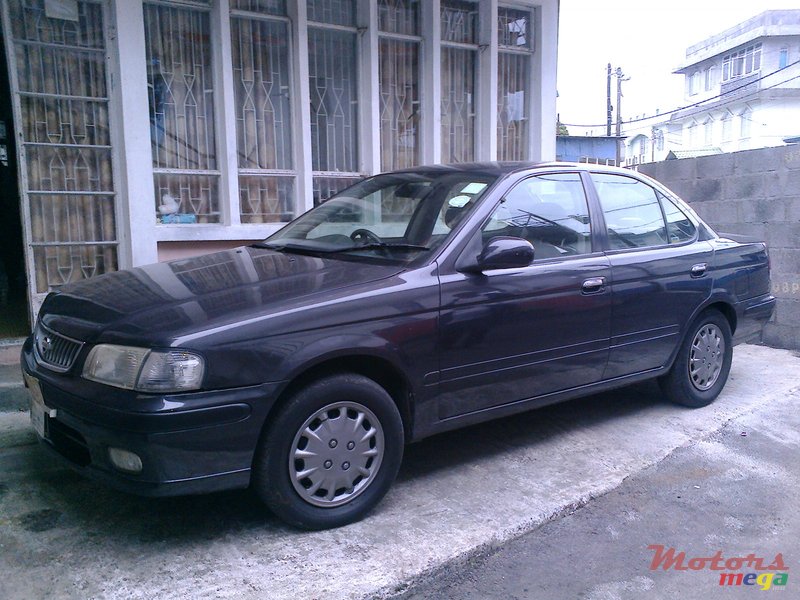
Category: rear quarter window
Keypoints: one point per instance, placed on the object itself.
(679, 227)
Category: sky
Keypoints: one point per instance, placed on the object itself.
(647, 39)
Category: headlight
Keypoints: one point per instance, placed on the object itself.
(144, 370)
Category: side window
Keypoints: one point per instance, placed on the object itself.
(550, 211)
(679, 227)
(632, 212)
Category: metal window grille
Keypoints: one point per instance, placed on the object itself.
(399, 16)
(459, 21)
(513, 76)
(458, 104)
(336, 12)
(262, 90)
(334, 109)
(399, 95)
(512, 122)
(398, 81)
(459, 56)
(60, 92)
(325, 187)
(181, 97)
(513, 28)
(271, 7)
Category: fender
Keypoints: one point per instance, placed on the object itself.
(717, 296)
(352, 345)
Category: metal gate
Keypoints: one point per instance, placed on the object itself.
(58, 68)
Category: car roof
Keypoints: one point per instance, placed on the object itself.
(497, 169)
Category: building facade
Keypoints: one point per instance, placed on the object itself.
(147, 130)
(587, 149)
(742, 91)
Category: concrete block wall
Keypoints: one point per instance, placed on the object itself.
(757, 193)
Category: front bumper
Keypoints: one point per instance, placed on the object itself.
(188, 443)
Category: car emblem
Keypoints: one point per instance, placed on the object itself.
(45, 344)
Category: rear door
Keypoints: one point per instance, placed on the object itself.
(659, 271)
(513, 334)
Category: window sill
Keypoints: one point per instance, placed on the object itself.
(214, 232)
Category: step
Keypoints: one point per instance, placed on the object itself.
(16, 429)
(13, 395)
(15, 425)
(9, 351)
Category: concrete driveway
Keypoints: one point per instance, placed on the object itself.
(63, 537)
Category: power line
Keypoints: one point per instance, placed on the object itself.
(706, 100)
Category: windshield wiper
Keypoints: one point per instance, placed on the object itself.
(382, 246)
(289, 247)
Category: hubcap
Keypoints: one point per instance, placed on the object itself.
(336, 454)
(706, 356)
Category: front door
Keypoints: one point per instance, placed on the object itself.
(512, 334)
(13, 298)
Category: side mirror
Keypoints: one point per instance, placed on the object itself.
(502, 253)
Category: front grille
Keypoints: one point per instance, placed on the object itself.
(55, 351)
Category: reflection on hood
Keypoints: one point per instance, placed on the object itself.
(182, 293)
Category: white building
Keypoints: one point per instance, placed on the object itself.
(742, 91)
(149, 129)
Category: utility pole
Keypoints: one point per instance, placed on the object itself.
(620, 78)
(609, 108)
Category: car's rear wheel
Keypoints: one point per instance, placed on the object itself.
(703, 363)
(331, 453)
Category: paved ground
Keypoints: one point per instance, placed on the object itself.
(458, 495)
(727, 492)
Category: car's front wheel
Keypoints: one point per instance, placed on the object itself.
(703, 362)
(331, 453)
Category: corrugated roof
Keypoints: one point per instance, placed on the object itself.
(693, 153)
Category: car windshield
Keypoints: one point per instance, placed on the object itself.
(397, 216)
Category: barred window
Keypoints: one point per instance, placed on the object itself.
(513, 82)
(181, 95)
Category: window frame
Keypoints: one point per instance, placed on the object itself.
(746, 123)
(727, 127)
(708, 132)
(734, 64)
(218, 173)
(474, 48)
(527, 53)
(681, 207)
(596, 238)
(234, 171)
(348, 177)
(601, 227)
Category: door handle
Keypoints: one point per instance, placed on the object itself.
(594, 285)
(699, 269)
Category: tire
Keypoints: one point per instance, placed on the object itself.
(703, 363)
(330, 454)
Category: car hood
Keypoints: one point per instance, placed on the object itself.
(162, 301)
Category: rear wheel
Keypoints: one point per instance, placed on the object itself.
(331, 453)
(703, 363)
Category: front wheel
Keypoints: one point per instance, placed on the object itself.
(703, 362)
(331, 453)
